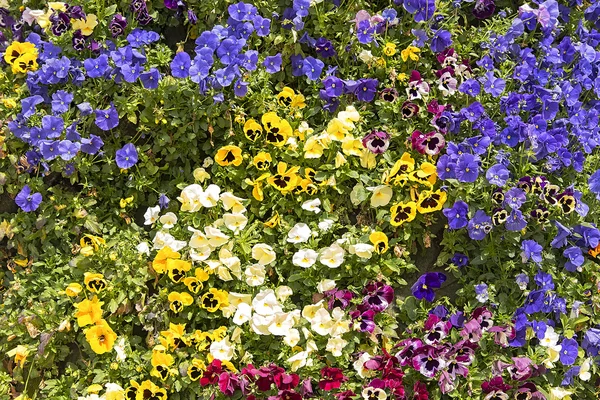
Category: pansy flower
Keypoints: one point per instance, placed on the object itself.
(401, 213)
(229, 155)
(179, 300)
(127, 156)
(100, 337)
(27, 201)
(379, 241)
(273, 63)
(480, 225)
(377, 142)
(277, 130)
(457, 215)
(423, 287)
(431, 201)
(95, 283)
(430, 143)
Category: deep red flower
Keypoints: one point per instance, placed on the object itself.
(284, 381)
(211, 375)
(228, 383)
(420, 391)
(332, 378)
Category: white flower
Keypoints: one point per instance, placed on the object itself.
(292, 338)
(255, 275)
(112, 387)
(210, 197)
(237, 299)
(558, 393)
(215, 237)
(283, 292)
(321, 323)
(381, 195)
(143, 248)
(281, 324)
(363, 250)
(162, 239)
(304, 258)
(198, 239)
(190, 198)
(260, 323)
(120, 350)
(233, 203)
(310, 311)
(242, 314)
(265, 303)
(584, 371)
(312, 205)
(550, 337)
(298, 360)
(222, 350)
(339, 325)
(553, 355)
(235, 222)
(332, 256)
(30, 15)
(200, 253)
(300, 233)
(151, 215)
(168, 220)
(263, 253)
(335, 345)
(208, 161)
(366, 56)
(230, 261)
(326, 225)
(325, 285)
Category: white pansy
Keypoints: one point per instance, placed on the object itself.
(242, 314)
(215, 237)
(292, 338)
(208, 161)
(335, 345)
(112, 387)
(222, 350)
(151, 215)
(326, 225)
(190, 198)
(310, 310)
(558, 393)
(362, 250)
(312, 205)
(210, 196)
(230, 261)
(304, 258)
(233, 203)
(265, 303)
(298, 360)
(200, 253)
(550, 337)
(366, 56)
(283, 292)
(281, 324)
(584, 371)
(255, 275)
(162, 239)
(321, 323)
(325, 285)
(235, 222)
(168, 220)
(260, 323)
(300, 233)
(198, 239)
(332, 256)
(381, 195)
(339, 325)
(143, 248)
(120, 350)
(263, 253)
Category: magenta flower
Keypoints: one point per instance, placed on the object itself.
(377, 142)
(428, 143)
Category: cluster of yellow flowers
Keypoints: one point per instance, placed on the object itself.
(22, 57)
(100, 335)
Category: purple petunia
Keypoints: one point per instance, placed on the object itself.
(127, 156)
(107, 119)
(423, 287)
(27, 201)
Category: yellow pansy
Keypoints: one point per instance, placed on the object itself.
(410, 52)
(160, 261)
(18, 49)
(73, 289)
(253, 130)
(262, 161)
(389, 49)
(89, 311)
(214, 299)
(179, 300)
(430, 201)
(177, 269)
(273, 221)
(86, 26)
(379, 241)
(403, 212)
(229, 155)
(101, 337)
(285, 179)
(95, 283)
(277, 130)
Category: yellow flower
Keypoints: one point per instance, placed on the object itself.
(9, 103)
(73, 289)
(179, 300)
(57, 6)
(86, 26)
(410, 52)
(402, 77)
(286, 96)
(430, 201)
(20, 353)
(273, 221)
(286, 179)
(404, 165)
(277, 130)
(27, 62)
(214, 299)
(257, 191)
(367, 159)
(425, 175)
(352, 146)
(298, 101)
(89, 311)
(313, 148)
(161, 362)
(174, 337)
(101, 337)
(389, 49)
(380, 241)
(177, 269)
(193, 284)
(160, 261)
(196, 369)
(148, 390)
(262, 161)
(201, 175)
(253, 130)
(90, 244)
(337, 128)
(95, 283)
(18, 49)
(229, 155)
(403, 212)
